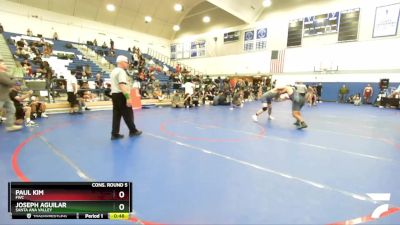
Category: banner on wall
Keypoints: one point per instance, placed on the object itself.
(255, 39)
(386, 20)
(248, 40)
(231, 36)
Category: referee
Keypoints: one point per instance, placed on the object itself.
(120, 93)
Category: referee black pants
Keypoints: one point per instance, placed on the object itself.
(121, 110)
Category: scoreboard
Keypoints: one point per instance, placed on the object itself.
(70, 200)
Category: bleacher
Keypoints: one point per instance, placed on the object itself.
(60, 46)
(159, 75)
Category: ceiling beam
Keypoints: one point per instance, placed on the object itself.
(244, 10)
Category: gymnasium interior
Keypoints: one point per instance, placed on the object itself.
(197, 75)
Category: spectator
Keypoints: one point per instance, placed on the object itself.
(38, 109)
(178, 68)
(29, 32)
(104, 45)
(27, 68)
(343, 92)
(207, 80)
(135, 58)
(177, 100)
(237, 100)
(87, 72)
(72, 90)
(1, 28)
(319, 92)
(368, 92)
(47, 50)
(111, 44)
(221, 99)
(95, 42)
(21, 50)
(311, 97)
(357, 100)
(99, 82)
(35, 50)
(196, 98)
(107, 91)
(189, 87)
(55, 36)
(84, 95)
(21, 110)
(157, 93)
(5, 102)
(395, 93)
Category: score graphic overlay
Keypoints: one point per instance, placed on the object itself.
(70, 200)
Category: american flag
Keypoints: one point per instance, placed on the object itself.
(277, 61)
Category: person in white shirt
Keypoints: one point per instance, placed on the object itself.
(72, 90)
(189, 90)
(120, 94)
(189, 87)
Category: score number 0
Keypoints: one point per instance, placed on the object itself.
(121, 195)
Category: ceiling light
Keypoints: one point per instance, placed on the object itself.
(110, 7)
(267, 3)
(178, 7)
(176, 27)
(206, 19)
(147, 19)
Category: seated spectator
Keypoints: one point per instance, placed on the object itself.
(177, 101)
(187, 101)
(157, 94)
(99, 82)
(396, 93)
(237, 100)
(209, 96)
(21, 110)
(37, 60)
(87, 72)
(27, 68)
(196, 98)
(1, 28)
(35, 50)
(48, 50)
(22, 53)
(221, 99)
(45, 71)
(104, 45)
(357, 100)
(85, 94)
(38, 109)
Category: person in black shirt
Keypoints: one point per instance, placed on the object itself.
(319, 92)
(21, 110)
